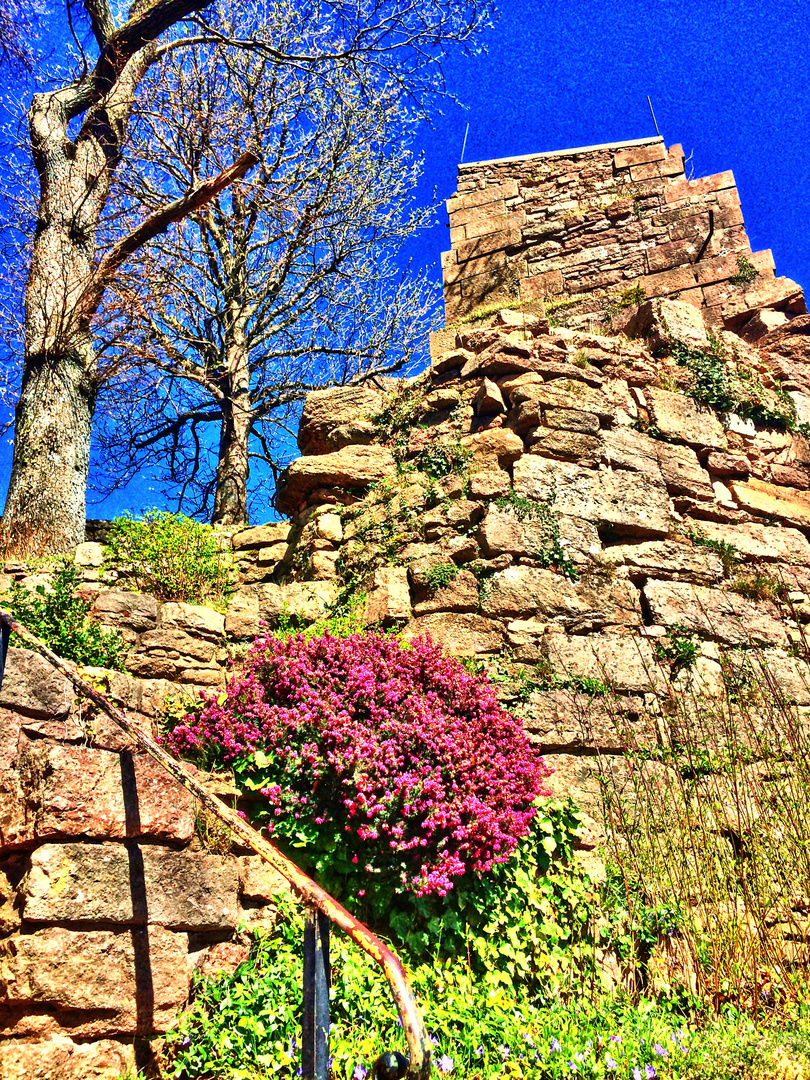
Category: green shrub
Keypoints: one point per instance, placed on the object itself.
(680, 648)
(760, 587)
(59, 618)
(169, 556)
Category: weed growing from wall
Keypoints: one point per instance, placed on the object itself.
(746, 271)
(549, 550)
(728, 386)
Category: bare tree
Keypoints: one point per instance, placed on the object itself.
(279, 286)
(77, 136)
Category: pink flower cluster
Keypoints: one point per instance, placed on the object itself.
(389, 745)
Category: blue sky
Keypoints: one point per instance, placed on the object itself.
(729, 80)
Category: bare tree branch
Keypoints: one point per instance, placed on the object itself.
(158, 222)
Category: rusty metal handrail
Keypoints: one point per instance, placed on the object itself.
(311, 894)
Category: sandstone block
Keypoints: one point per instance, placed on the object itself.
(772, 500)
(728, 464)
(34, 688)
(489, 484)
(56, 790)
(353, 466)
(258, 880)
(714, 614)
(242, 616)
(458, 634)
(269, 556)
(572, 420)
(193, 619)
(682, 472)
(624, 159)
(630, 502)
(586, 450)
(520, 320)
(489, 399)
(626, 662)
(461, 594)
(100, 982)
(493, 448)
(531, 402)
(563, 720)
(582, 778)
(329, 527)
(132, 884)
(485, 245)
(446, 397)
(388, 598)
(579, 606)
(663, 322)
(738, 305)
(668, 559)
(450, 361)
(305, 600)
(688, 190)
(89, 554)
(259, 536)
(171, 654)
(59, 1058)
(326, 410)
(684, 420)
(135, 612)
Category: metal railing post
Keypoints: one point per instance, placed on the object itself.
(315, 1014)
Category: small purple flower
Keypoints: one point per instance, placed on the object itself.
(479, 1051)
(636, 1074)
(434, 1040)
(504, 1051)
(445, 1064)
(615, 1038)
(359, 1073)
(649, 1072)
(658, 1049)
(610, 1063)
(555, 1044)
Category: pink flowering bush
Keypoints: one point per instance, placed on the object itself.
(374, 758)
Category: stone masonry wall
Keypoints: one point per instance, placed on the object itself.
(546, 501)
(596, 221)
(114, 886)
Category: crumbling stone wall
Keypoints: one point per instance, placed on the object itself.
(597, 436)
(596, 221)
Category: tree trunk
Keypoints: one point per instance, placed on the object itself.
(45, 507)
(233, 467)
(45, 512)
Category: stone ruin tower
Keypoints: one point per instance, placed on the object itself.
(611, 434)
